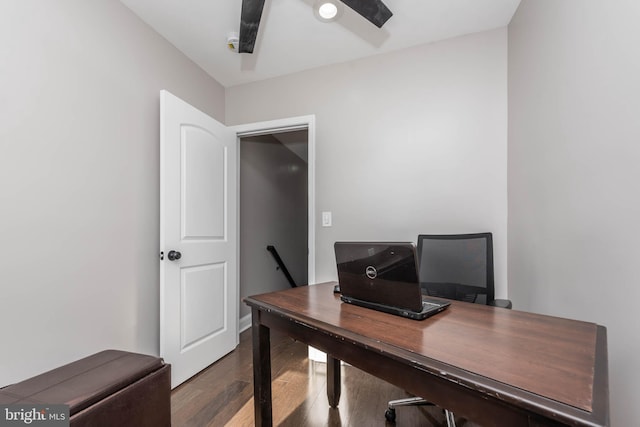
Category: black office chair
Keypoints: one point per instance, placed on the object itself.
(459, 267)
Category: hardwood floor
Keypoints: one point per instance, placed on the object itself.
(223, 393)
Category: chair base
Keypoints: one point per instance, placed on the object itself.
(390, 413)
(502, 303)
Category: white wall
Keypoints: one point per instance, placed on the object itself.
(574, 150)
(79, 178)
(273, 211)
(409, 142)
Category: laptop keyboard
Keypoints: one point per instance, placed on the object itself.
(429, 304)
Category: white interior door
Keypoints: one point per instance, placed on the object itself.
(198, 286)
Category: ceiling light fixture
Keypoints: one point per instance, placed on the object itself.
(327, 10)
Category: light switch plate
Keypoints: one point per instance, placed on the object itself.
(326, 219)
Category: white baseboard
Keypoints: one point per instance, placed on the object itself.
(244, 323)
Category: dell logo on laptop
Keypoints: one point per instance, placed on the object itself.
(371, 272)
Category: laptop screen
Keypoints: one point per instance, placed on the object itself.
(383, 273)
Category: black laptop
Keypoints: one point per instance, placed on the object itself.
(383, 276)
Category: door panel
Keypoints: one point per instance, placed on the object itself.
(204, 207)
(202, 286)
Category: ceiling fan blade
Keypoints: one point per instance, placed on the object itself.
(249, 23)
(374, 11)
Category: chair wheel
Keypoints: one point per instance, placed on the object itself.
(390, 415)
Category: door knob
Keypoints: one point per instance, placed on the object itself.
(174, 255)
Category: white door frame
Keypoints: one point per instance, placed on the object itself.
(279, 126)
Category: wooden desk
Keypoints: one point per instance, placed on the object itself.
(494, 366)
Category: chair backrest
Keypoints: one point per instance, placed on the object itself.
(457, 266)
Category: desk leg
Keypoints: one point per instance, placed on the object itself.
(261, 371)
(333, 381)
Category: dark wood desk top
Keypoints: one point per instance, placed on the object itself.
(493, 349)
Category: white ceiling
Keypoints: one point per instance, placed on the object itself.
(292, 39)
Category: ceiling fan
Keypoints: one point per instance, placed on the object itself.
(375, 11)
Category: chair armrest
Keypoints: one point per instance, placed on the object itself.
(502, 303)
